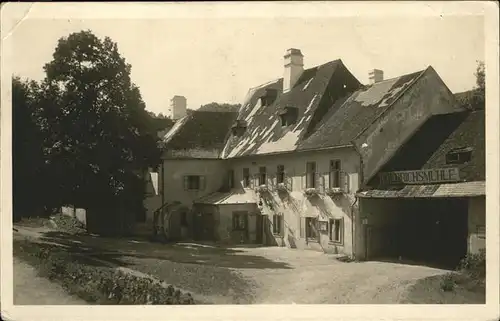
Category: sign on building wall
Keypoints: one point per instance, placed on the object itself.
(426, 176)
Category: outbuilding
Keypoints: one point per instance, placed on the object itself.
(427, 204)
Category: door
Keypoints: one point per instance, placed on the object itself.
(208, 227)
(368, 231)
(203, 226)
(259, 228)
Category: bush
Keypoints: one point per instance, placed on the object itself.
(68, 224)
(97, 284)
(474, 264)
(448, 282)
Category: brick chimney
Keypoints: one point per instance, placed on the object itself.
(178, 107)
(294, 66)
(375, 76)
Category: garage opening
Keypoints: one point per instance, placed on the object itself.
(424, 231)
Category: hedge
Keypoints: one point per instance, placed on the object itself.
(96, 284)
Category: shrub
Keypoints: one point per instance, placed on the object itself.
(448, 282)
(474, 264)
(68, 224)
(97, 284)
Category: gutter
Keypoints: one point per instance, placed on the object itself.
(353, 236)
(360, 188)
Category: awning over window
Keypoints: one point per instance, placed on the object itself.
(233, 197)
(463, 189)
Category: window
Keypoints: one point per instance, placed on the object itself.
(459, 155)
(262, 176)
(311, 175)
(335, 230)
(283, 120)
(230, 178)
(246, 177)
(239, 127)
(280, 174)
(239, 221)
(184, 219)
(289, 116)
(194, 182)
(334, 173)
(311, 227)
(277, 223)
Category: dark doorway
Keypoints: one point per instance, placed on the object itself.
(203, 226)
(259, 229)
(432, 230)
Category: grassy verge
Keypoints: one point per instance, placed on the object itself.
(466, 285)
(95, 283)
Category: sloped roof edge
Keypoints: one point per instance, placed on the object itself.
(399, 95)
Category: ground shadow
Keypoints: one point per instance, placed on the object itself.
(432, 264)
(208, 283)
(190, 253)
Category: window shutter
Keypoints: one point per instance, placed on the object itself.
(303, 181)
(302, 227)
(270, 182)
(344, 179)
(341, 222)
(288, 182)
(186, 183)
(202, 183)
(320, 182)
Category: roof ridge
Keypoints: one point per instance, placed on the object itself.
(278, 79)
(213, 111)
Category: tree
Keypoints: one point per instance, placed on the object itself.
(159, 122)
(99, 134)
(27, 154)
(480, 76)
(220, 107)
(475, 99)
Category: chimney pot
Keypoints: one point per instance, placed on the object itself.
(375, 76)
(178, 107)
(294, 66)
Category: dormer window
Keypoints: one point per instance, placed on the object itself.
(288, 116)
(268, 97)
(239, 127)
(459, 155)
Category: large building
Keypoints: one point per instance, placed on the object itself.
(296, 165)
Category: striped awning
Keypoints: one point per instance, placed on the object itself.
(462, 189)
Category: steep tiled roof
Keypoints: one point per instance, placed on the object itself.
(428, 147)
(200, 130)
(351, 115)
(462, 189)
(264, 133)
(470, 133)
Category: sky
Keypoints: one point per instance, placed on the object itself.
(220, 59)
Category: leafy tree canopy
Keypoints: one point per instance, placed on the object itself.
(475, 99)
(96, 136)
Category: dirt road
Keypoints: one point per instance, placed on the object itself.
(245, 275)
(30, 289)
